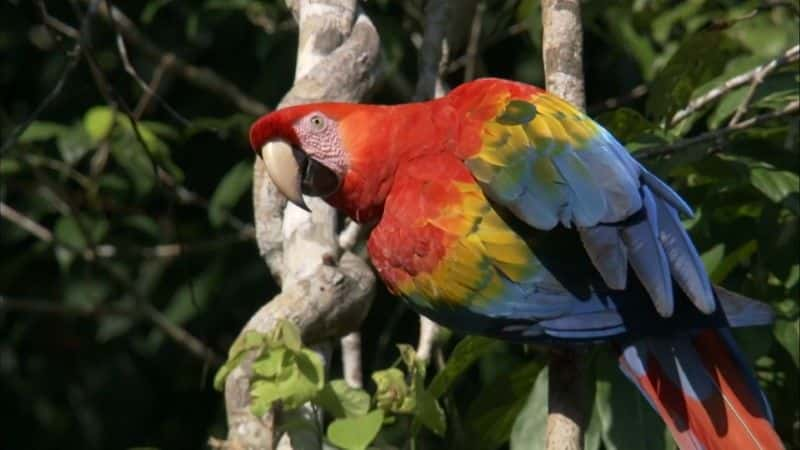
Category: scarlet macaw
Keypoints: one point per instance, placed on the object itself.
(503, 210)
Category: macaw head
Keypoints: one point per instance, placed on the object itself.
(303, 149)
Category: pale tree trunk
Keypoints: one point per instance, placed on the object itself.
(326, 290)
(562, 47)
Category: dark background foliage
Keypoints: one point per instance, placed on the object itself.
(86, 360)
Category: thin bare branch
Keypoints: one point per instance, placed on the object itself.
(474, 42)
(612, 103)
(25, 222)
(513, 30)
(155, 82)
(180, 335)
(30, 306)
(149, 91)
(712, 136)
(202, 77)
(789, 56)
(72, 62)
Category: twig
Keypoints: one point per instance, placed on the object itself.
(155, 82)
(789, 56)
(562, 51)
(58, 309)
(150, 91)
(474, 41)
(109, 251)
(72, 63)
(25, 222)
(180, 335)
(615, 102)
(513, 30)
(202, 77)
(650, 152)
(758, 78)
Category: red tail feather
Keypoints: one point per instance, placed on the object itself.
(707, 397)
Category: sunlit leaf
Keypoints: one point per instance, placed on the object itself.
(355, 433)
(98, 122)
(712, 257)
(392, 393)
(42, 131)
(530, 427)
(229, 191)
(341, 400)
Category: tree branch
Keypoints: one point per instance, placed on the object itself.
(789, 56)
(325, 295)
(562, 47)
(351, 360)
(431, 61)
(711, 136)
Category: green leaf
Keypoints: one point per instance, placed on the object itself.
(250, 340)
(73, 144)
(128, 153)
(495, 409)
(530, 427)
(428, 411)
(700, 58)
(98, 122)
(233, 185)
(289, 376)
(392, 393)
(463, 356)
(42, 131)
(355, 433)
(74, 234)
(288, 334)
(787, 329)
(733, 259)
(408, 355)
(341, 400)
(775, 184)
(9, 167)
(625, 124)
(712, 258)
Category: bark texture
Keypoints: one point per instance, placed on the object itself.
(326, 290)
(562, 47)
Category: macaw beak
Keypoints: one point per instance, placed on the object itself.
(285, 167)
(295, 174)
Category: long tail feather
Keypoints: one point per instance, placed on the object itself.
(704, 391)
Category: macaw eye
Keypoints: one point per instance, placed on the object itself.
(317, 122)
